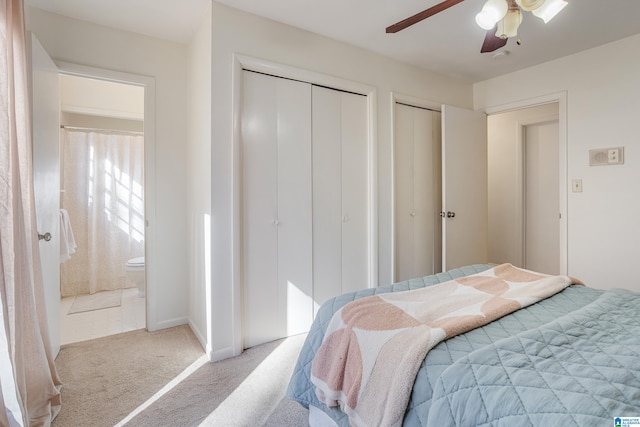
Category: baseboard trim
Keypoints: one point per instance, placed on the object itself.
(170, 323)
(218, 355)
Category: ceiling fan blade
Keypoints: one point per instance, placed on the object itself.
(422, 15)
(492, 42)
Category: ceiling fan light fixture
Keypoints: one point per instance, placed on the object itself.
(529, 5)
(549, 9)
(492, 12)
(508, 26)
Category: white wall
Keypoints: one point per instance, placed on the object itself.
(101, 98)
(603, 106)
(237, 32)
(92, 45)
(199, 177)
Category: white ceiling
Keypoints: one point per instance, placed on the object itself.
(448, 43)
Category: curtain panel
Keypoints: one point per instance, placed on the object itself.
(103, 193)
(29, 383)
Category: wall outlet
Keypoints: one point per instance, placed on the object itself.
(614, 155)
(606, 156)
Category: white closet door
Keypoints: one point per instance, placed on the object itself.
(276, 208)
(403, 191)
(464, 187)
(355, 192)
(417, 191)
(340, 194)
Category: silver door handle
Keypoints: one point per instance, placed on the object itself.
(46, 236)
(451, 214)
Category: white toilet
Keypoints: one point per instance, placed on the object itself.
(135, 273)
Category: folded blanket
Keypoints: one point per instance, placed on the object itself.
(373, 346)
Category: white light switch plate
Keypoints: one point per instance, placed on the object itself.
(576, 185)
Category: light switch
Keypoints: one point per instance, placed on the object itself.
(576, 185)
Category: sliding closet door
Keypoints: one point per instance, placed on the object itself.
(276, 208)
(417, 191)
(340, 193)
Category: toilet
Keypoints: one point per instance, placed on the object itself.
(135, 273)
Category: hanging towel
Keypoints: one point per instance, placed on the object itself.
(67, 241)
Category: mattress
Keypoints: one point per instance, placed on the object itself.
(452, 357)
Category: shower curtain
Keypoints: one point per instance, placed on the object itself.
(103, 193)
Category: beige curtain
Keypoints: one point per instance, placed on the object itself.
(29, 384)
(103, 183)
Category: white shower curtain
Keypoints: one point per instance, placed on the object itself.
(29, 384)
(103, 193)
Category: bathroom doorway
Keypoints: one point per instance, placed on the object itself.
(102, 199)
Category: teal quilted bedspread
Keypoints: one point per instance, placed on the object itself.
(582, 369)
(442, 361)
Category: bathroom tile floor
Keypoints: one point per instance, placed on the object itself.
(88, 325)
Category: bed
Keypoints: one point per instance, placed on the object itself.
(572, 358)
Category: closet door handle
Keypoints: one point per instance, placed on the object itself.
(451, 214)
(276, 222)
(412, 214)
(46, 236)
(345, 218)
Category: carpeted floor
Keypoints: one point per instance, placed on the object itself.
(163, 379)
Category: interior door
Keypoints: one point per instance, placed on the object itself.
(542, 198)
(276, 208)
(340, 194)
(464, 187)
(46, 174)
(417, 191)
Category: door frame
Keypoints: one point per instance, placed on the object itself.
(561, 99)
(149, 85)
(244, 62)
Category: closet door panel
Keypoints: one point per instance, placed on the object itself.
(464, 186)
(355, 192)
(417, 191)
(260, 209)
(327, 195)
(423, 220)
(340, 193)
(294, 205)
(403, 191)
(276, 208)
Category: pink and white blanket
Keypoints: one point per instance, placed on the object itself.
(373, 347)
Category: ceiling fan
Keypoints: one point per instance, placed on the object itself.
(501, 18)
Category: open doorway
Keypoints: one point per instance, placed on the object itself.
(102, 146)
(525, 181)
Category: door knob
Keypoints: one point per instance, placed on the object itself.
(46, 236)
(451, 214)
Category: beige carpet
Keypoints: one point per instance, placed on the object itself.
(162, 379)
(97, 301)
